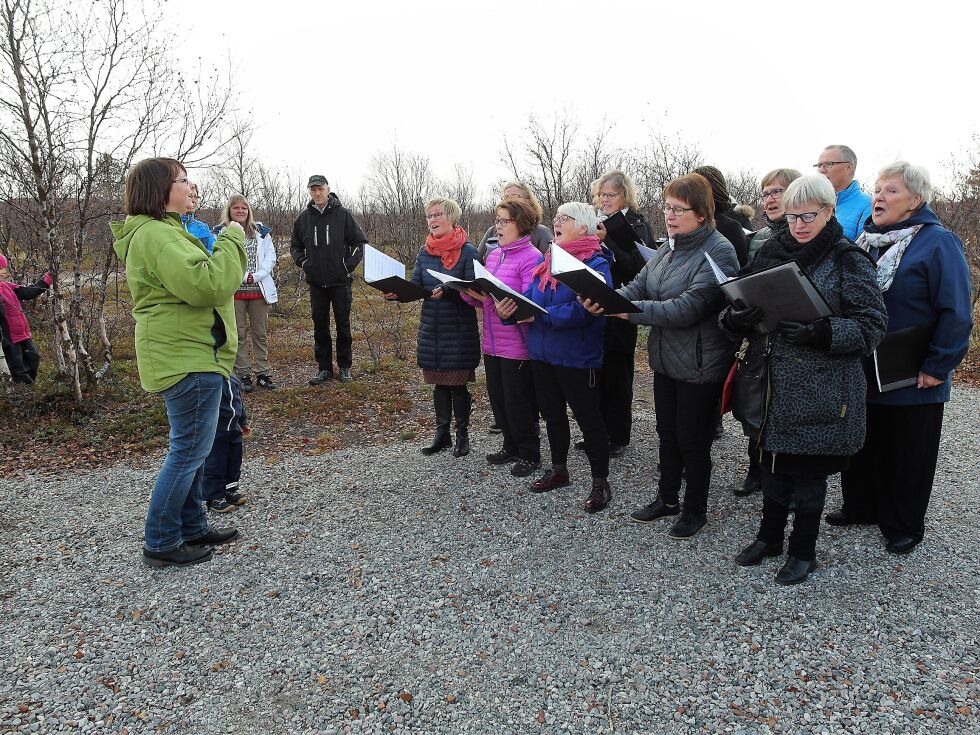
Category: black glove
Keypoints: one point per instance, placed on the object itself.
(817, 333)
(743, 321)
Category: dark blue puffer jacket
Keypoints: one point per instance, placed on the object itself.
(448, 335)
(568, 335)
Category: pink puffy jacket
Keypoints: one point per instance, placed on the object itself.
(513, 265)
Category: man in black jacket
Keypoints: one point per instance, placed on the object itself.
(327, 243)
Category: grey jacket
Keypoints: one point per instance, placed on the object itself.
(818, 396)
(680, 299)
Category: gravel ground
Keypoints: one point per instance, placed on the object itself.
(378, 591)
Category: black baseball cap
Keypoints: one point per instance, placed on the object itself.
(317, 180)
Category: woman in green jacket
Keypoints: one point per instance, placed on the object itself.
(186, 342)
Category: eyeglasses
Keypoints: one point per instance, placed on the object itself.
(435, 215)
(181, 181)
(828, 164)
(807, 217)
(500, 221)
(676, 211)
(608, 194)
(562, 219)
(771, 193)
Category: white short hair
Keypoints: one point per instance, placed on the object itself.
(916, 178)
(583, 214)
(814, 188)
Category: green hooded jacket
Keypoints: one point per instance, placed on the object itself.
(183, 299)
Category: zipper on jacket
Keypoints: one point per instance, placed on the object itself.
(765, 413)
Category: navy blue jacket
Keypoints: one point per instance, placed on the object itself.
(567, 335)
(932, 286)
(448, 335)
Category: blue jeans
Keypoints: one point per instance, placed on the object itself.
(176, 511)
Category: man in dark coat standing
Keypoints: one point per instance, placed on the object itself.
(327, 243)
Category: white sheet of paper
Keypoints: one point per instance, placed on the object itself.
(377, 265)
(444, 278)
(646, 252)
(719, 273)
(562, 262)
(481, 272)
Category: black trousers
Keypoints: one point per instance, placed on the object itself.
(321, 300)
(809, 491)
(510, 388)
(23, 359)
(223, 467)
(617, 395)
(558, 387)
(890, 479)
(685, 424)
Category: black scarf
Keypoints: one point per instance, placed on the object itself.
(693, 239)
(782, 247)
(776, 226)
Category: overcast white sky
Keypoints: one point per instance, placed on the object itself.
(756, 85)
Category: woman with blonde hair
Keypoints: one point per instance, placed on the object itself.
(256, 294)
(614, 192)
(448, 339)
(540, 236)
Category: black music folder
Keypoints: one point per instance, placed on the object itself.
(899, 357)
(784, 292)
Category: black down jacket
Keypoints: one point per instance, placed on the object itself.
(448, 335)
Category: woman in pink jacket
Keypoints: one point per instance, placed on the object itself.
(509, 384)
(19, 349)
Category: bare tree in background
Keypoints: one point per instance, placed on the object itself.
(83, 91)
(958, 206)
(544, 159)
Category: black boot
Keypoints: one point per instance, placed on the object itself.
(443, 400)
(462, 406)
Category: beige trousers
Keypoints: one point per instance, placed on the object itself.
(256, 312)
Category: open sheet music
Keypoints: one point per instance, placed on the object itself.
(587, 282)
(388, 276)
(486, 282)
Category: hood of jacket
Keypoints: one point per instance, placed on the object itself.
(333, 201)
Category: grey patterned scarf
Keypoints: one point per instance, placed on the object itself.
(888, 247)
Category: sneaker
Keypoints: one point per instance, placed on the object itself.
(247, 386)
(494, 429)
(502, 457)
(345, 376)
(525, 467)
(264, 381)
(182, 556)
(321, 377)
(221, 505)
(688, 526)
(654, 511)
(235, 498)
(580, 445)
